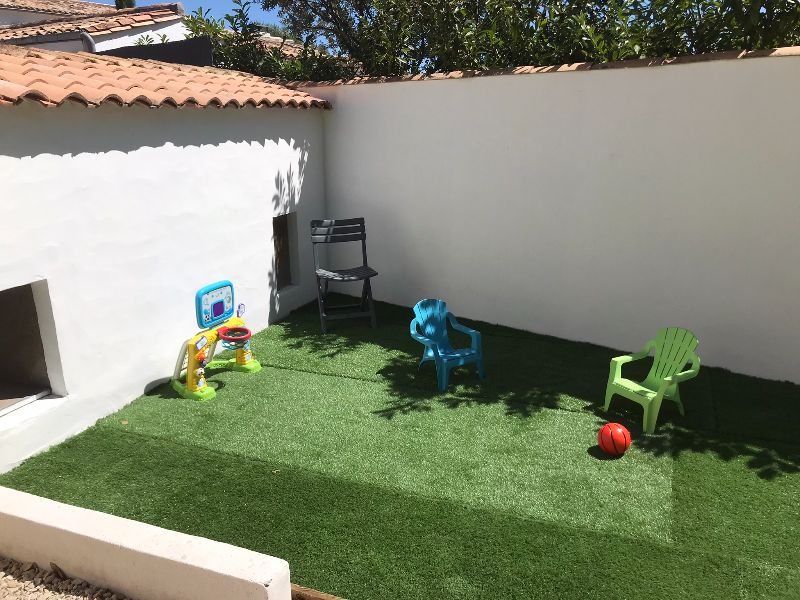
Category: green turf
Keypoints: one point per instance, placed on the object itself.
(340, 457)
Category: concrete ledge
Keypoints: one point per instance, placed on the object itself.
(142, 561)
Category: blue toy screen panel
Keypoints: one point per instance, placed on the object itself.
(214, 304)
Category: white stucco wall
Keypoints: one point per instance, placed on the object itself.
(16, 17)
(126, 212)
(75, 45)
(597, 205)
(174, 30)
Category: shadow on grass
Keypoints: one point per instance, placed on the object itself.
(342, 536)
(732, 415)
(596, 452)
(769, 459)
(165, 391)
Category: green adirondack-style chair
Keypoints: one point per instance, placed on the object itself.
(674, 348)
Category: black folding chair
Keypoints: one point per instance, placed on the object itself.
(334, 232)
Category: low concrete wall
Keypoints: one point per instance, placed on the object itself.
(139, 560)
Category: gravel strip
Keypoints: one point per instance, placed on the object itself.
(28, 581)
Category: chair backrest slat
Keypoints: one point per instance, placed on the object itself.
(674, 349)
(335, 239)
(332, 231)
(337, 222)
(432, 318)
(337, 230)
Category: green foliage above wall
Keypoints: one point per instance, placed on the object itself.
(398, 37)
(236, 44)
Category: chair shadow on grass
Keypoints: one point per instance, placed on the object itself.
(731, 415)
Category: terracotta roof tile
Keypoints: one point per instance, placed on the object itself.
(288, 48)
(59, 7)
(52, 78)
(569, 67)
(118, 20)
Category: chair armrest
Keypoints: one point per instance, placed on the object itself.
(618, 361)
(421, 338)
(689, 373)
(474, 335)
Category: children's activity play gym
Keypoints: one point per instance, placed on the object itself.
(214, 308)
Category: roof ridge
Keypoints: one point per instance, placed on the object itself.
(65, 7)
(118, 60)
(175, 7)
(559, 68)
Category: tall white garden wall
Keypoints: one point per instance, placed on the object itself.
(596, 205)
(118, 215)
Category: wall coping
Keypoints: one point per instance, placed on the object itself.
(562, 68)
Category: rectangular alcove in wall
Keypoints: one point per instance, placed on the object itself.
(29, 363)
(284, 237)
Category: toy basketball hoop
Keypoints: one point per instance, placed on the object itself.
(234, 338)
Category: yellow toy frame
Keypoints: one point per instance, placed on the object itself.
(196, 355)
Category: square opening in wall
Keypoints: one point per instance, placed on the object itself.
(23, 369)
(284, 236)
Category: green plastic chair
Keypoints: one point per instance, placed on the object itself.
(674, 348)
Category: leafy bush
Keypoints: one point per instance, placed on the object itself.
(236, 44)
(342, 38)
(396, 37)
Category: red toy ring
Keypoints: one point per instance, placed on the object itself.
(234, 334)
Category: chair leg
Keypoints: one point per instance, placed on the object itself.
(425, 359)
(442, 375)
(646, 418)
(655, 408)
(677, 399)
(372, 317)
(321, 303)
(609, 395)
(481, 370)
(363, 305)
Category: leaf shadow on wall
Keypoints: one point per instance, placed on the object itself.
(286, 199)
(288, 183)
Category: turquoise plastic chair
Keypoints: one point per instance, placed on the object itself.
(674, 348)
(429, 328)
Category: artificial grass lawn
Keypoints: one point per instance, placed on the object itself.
(341, 457)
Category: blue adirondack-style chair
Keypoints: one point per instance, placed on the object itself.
(429, 328)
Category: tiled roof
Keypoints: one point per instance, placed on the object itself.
(288, 48)
(119, 20)
(59, 7)
(52, 78)
(565, 68)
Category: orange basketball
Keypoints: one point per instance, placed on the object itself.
(614, 439)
